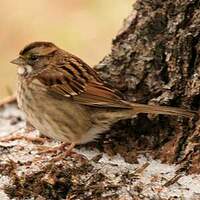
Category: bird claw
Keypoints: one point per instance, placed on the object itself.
(61, 148)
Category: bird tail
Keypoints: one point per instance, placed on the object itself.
(154, 109)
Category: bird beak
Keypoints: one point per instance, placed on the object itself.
(18, 61)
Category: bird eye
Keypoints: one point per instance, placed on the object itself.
(33, 57)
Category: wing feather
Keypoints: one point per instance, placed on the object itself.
(80, 82)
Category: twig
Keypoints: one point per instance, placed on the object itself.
(173, 180)
(7, 100)
(142, 168)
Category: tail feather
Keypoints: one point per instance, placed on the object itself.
(166, 110)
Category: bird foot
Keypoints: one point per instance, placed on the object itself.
(64, 150)
(60, 148)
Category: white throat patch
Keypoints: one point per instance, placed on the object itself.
(22, 70)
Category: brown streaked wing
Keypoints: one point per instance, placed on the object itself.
(83, 68)
(69, 81)
(60, 81)
(99, 95)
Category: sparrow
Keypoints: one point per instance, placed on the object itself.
(65, 99)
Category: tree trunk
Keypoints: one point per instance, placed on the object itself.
(155, 60)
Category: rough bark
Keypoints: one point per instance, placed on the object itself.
(155, 60)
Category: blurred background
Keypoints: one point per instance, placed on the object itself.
(83, 27)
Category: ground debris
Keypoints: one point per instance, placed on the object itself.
(27, 174)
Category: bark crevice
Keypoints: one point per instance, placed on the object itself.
(155, 59)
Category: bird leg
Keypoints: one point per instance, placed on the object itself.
(68, 152)
(29, 127)
(69, 149)
(63, 152)
(61, 148)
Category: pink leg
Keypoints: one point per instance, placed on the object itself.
(29, 127)
(61, 148)
(69, 149)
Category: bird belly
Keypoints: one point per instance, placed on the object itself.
(56, 118)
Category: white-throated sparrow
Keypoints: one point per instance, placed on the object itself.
(65, 99)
